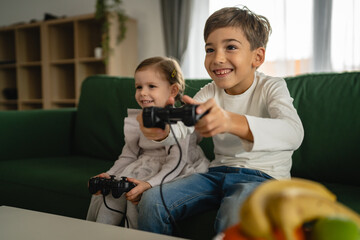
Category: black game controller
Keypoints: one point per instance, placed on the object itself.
(157, 117)
(105, 185)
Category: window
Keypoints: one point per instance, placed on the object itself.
(345, 35)
(290, 50)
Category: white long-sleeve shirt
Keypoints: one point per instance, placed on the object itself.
(273, 121)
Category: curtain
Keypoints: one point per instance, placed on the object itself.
(176, 23)
(345, 35)
(322, 36)
(193, 59)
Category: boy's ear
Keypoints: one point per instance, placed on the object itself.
(259, 57)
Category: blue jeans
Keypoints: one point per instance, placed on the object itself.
(226, 187)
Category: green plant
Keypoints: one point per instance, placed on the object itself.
(105, 10)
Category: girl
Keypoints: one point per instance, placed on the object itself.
(144, 162)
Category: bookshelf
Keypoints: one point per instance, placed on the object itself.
(43, 64)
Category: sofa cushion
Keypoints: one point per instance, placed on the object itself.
(100, 118)
(328, 105)
(346, 194)
(26, 133)
(65, 175)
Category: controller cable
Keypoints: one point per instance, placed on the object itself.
(118, 211)
(172, 220)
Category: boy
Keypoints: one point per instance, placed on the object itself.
(255, 127)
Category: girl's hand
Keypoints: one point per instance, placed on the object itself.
(156, 134)
(135, 194)
(102, 175)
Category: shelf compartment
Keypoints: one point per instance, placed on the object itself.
(62, 77)
(64, 104)
(8, 105)
(88, 37)
(87, 69)
(29, 44)
(7, 80)
(31, 105)
(29, 82)
(7, 46)
(61, 40)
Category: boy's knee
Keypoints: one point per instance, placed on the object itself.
(149, 199)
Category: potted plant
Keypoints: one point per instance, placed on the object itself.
(106, 10)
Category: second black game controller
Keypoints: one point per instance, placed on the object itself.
(107, 185)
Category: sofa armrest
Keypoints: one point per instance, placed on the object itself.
(36, 133)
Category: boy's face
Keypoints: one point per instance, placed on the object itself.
(229, 61)
(152, 88)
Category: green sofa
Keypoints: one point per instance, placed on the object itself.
(47, 156)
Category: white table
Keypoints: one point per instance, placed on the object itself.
(17, 224)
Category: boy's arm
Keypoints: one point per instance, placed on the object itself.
(283, 129)
(220, 121)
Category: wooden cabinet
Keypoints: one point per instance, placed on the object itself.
(43, 64)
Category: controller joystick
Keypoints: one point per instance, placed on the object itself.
(107, 185)
(119, 187)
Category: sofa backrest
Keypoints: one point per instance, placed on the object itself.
(329, 107)
(99, 122)
(101, 111)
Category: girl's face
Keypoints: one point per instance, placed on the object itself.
(229, 61)
(152, 88)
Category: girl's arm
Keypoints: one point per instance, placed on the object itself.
(171, 161)
(131, 148)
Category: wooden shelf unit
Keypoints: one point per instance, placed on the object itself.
(47, 61)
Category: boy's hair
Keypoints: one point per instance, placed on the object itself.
(170, 68)
(256, 28)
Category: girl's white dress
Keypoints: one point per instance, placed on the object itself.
(148, 161)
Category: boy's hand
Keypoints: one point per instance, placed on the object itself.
(219, 121)
(135, 194)
(156, 134)
(216, 121)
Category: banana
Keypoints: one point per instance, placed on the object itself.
(288, 211)
(253, 217)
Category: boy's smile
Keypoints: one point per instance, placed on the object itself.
(229, 61)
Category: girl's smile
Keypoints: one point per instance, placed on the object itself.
(152, 88)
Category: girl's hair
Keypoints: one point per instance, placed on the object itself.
(170, 68)
(256, 28)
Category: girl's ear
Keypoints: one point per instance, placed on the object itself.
(259, 57)
(174, 90)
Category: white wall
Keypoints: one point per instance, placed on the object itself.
(146, 12)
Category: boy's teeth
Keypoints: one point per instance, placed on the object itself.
(223, 71)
